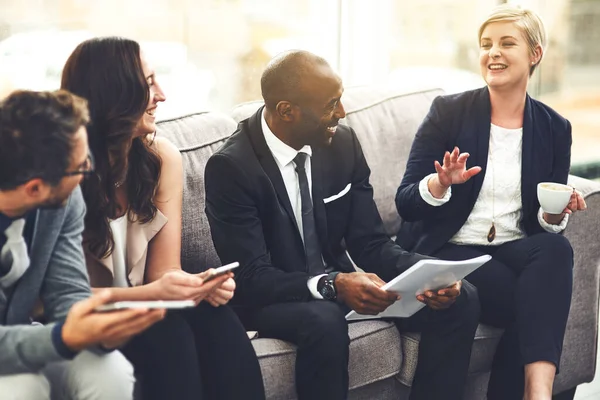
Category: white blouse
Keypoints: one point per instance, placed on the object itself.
(499, 199)
(119, 253)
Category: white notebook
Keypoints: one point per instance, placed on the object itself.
(424, 275)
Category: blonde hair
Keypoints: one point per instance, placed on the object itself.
(527, 21)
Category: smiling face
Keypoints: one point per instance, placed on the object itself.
(147, 123)
(321, 107)
(505, 58)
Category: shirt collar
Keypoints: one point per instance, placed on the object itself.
(5, 221)
(282, 153)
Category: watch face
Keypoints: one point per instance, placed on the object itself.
(328, 292)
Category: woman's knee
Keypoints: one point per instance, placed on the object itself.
(555, 248)
(24, 387)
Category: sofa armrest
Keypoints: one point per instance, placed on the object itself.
(578, 362)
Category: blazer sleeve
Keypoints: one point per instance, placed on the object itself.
(430, 144)
(367, 243)
(561, 164)
(28, 348)
(237, 233)
(66, 281)
(562, 152)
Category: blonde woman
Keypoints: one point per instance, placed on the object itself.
(470, 189)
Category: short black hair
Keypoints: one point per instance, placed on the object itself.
(282, 78)
(36, 135)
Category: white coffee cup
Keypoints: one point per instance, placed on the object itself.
(553, 197)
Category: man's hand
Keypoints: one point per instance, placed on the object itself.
(452, 171)
(223, 293)
(441, 299)
(361, 292)
(84, 327)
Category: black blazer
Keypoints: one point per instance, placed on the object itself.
(464, 120)
(252, 221)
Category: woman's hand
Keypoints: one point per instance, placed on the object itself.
(223, 293)
(576, 203)
(452, 171)
(179, 285)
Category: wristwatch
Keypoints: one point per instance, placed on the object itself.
(326, 286)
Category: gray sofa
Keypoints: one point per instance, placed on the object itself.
(382, 362)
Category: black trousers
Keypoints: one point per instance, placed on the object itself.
(525, 289)
(320, 331)
(200, 353)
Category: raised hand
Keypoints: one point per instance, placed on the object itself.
(85, 327)
(453, 171)
(361, 292)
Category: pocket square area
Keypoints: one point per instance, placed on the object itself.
(337, 196)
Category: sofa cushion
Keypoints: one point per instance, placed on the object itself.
(197, 136)
(374, 355)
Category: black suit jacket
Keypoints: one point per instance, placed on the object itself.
(252, 221)
(464, 120)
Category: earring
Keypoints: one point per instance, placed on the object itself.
(533, 62)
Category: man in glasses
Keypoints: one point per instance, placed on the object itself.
(43, 157)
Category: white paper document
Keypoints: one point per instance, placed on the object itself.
(424, 275)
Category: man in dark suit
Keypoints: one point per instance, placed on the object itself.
(286, 195)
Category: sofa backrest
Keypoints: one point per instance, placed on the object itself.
(197, 136)
(385, 122)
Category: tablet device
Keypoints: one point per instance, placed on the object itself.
(156, 304)
(430, 274)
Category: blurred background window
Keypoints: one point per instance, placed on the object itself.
(209, 54)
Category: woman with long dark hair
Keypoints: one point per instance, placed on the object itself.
(132, 237)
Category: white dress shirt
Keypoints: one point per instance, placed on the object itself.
(284, 156)
(500, 192)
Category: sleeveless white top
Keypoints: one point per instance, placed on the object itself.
(119, 254)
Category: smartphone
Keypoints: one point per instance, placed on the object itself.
(157, 304)
(221, 270)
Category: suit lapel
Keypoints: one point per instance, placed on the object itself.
(45, 234)
(477, 139)
(528, 158)
(317, 197)
(269, 165)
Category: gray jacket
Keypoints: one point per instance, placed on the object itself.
(57, 275)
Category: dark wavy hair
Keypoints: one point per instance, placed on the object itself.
(108, 73)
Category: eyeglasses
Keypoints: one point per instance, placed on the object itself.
(85, 169)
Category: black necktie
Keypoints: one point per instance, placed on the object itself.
(311, 240)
